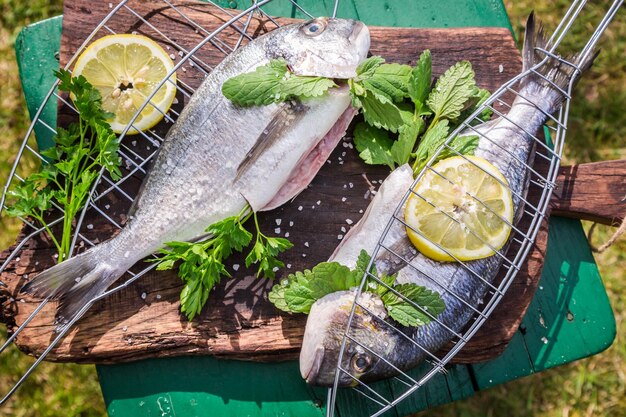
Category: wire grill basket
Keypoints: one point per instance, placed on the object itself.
(191, 49)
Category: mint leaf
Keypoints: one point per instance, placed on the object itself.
(361, 265)
(277, 297)
(374, 145)
(403, 147)
(367, 67)
(453, 89)
(304, 87)
(272, 83)
(390, 81)
(299, 297)
(464, 145)
(432, 140)
(419, 82)
(405, 313)
(381, 112)
(479, 97)
(260, 87)
(330, 277)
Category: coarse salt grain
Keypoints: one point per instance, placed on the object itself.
(290, 223)
(89, 226)
(158, 296)
(143, 295)
(300, 208)
(343, 199)
(172, 56)
(286, 234)
(319, 202)
(339, 237)
(289, 266)
(343, 229)
(278, 222)
(349, 221)
(277, 230)
(351, 185)
(235, 267)
(306, 244)
(500, 68)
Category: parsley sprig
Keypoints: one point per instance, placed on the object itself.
(201, 264)
(298, 292)
(73, 164)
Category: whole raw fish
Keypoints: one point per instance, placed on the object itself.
(218, 157)
(508, 146)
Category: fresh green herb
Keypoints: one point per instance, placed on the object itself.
(298, 292)
(271, 83)
(72, 165)
(423, 122)
(202, 263)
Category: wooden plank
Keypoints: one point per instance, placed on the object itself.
(595, 191)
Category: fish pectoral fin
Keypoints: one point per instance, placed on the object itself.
(287, 114)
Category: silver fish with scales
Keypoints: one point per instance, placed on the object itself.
(218, 157)
(505, 142)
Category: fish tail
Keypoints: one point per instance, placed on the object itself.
(553, 74)
(77, 280)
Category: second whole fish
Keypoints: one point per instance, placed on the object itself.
(504, 143)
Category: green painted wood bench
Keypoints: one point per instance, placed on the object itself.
(569, 318)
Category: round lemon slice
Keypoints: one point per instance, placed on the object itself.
(464, 213)
(126, 69)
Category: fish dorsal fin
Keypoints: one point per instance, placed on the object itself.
(287, 114)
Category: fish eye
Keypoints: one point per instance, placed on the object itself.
(314, 27)
(361, 362)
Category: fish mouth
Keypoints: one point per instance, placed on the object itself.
(310, 370)
(360, 37)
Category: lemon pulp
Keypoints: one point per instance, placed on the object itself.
(461, 209)
(126, 69)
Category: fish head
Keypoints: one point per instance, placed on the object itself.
(370, 339)
(322, 47)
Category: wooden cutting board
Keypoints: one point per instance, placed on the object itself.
(143, 320)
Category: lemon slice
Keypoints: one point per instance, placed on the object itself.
(126, 69)
(464, 213)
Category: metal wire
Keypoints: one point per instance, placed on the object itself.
(523, 233)
(135, 160)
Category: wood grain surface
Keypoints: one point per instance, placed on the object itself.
(143, 319)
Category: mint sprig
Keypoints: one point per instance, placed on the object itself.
(299, 291)
(421, 116)
(272, 83)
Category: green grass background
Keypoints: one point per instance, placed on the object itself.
(592, 387)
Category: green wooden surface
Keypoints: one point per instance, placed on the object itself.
(569, 318)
